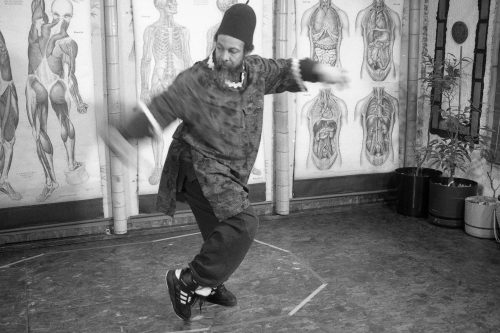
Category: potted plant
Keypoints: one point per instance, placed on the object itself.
(451, 152)
(413, 186)
(413, 182)
(480, 210)
(447, 194)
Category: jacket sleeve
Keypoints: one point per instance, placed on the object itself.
(170, 104)
(285, 74)
(165, 109)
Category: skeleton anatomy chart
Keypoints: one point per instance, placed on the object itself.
(166, 43)
(170, 36)
(328, 142)
(55, 156)
(380, 26)
(377, 114)
(9, 119)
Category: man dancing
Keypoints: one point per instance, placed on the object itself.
(220, 101)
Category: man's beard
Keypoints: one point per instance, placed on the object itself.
(224, 73)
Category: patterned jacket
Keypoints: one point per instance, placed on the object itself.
(221, 127)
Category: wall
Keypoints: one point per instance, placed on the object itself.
(50, 157)
(491, 100)
(315, 171)
(468, 12)
(355, 130)
(60, 170)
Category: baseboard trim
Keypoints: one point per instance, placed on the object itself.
(184, 220)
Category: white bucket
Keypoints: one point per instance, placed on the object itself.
(479, 216)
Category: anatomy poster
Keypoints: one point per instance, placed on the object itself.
(354, 130)
(170, 36)
(48, 142)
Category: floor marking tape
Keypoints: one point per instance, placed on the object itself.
(309, 268)
(19, 261)
(307, 299)
(180, 236)
(123, 244)
(193, 330)
(274, 247)
(250, 322)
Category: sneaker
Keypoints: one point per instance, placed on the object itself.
(222, 296)
(181, 288)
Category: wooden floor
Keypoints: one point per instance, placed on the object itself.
(358, 269)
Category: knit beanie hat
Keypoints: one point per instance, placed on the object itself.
(238, 22)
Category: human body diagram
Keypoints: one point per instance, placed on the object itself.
(325, 115)
(377, 114)
(51, 78)
(325, 25)
(380, 27)
(9, 119)
(167, 44)
(222, 5)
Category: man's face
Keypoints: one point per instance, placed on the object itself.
(229, 52)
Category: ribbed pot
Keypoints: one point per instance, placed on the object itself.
(413, 190)
(447, 203)
(480, 216)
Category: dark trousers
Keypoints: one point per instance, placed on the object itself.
(225, 243)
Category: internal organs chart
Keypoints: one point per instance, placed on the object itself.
(325, 115)
(9, 119)
(379, 26)
(377, 114)
(325, 25)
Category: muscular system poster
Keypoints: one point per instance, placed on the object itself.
(48, 137)
(170, 36)
(351, 131)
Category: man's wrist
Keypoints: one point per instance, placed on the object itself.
(136, 126)
(307, 70)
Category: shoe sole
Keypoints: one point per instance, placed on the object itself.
(228, 305)
(171, 291)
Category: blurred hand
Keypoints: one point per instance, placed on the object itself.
(133, 125)
(332, 75)
(118, 145)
